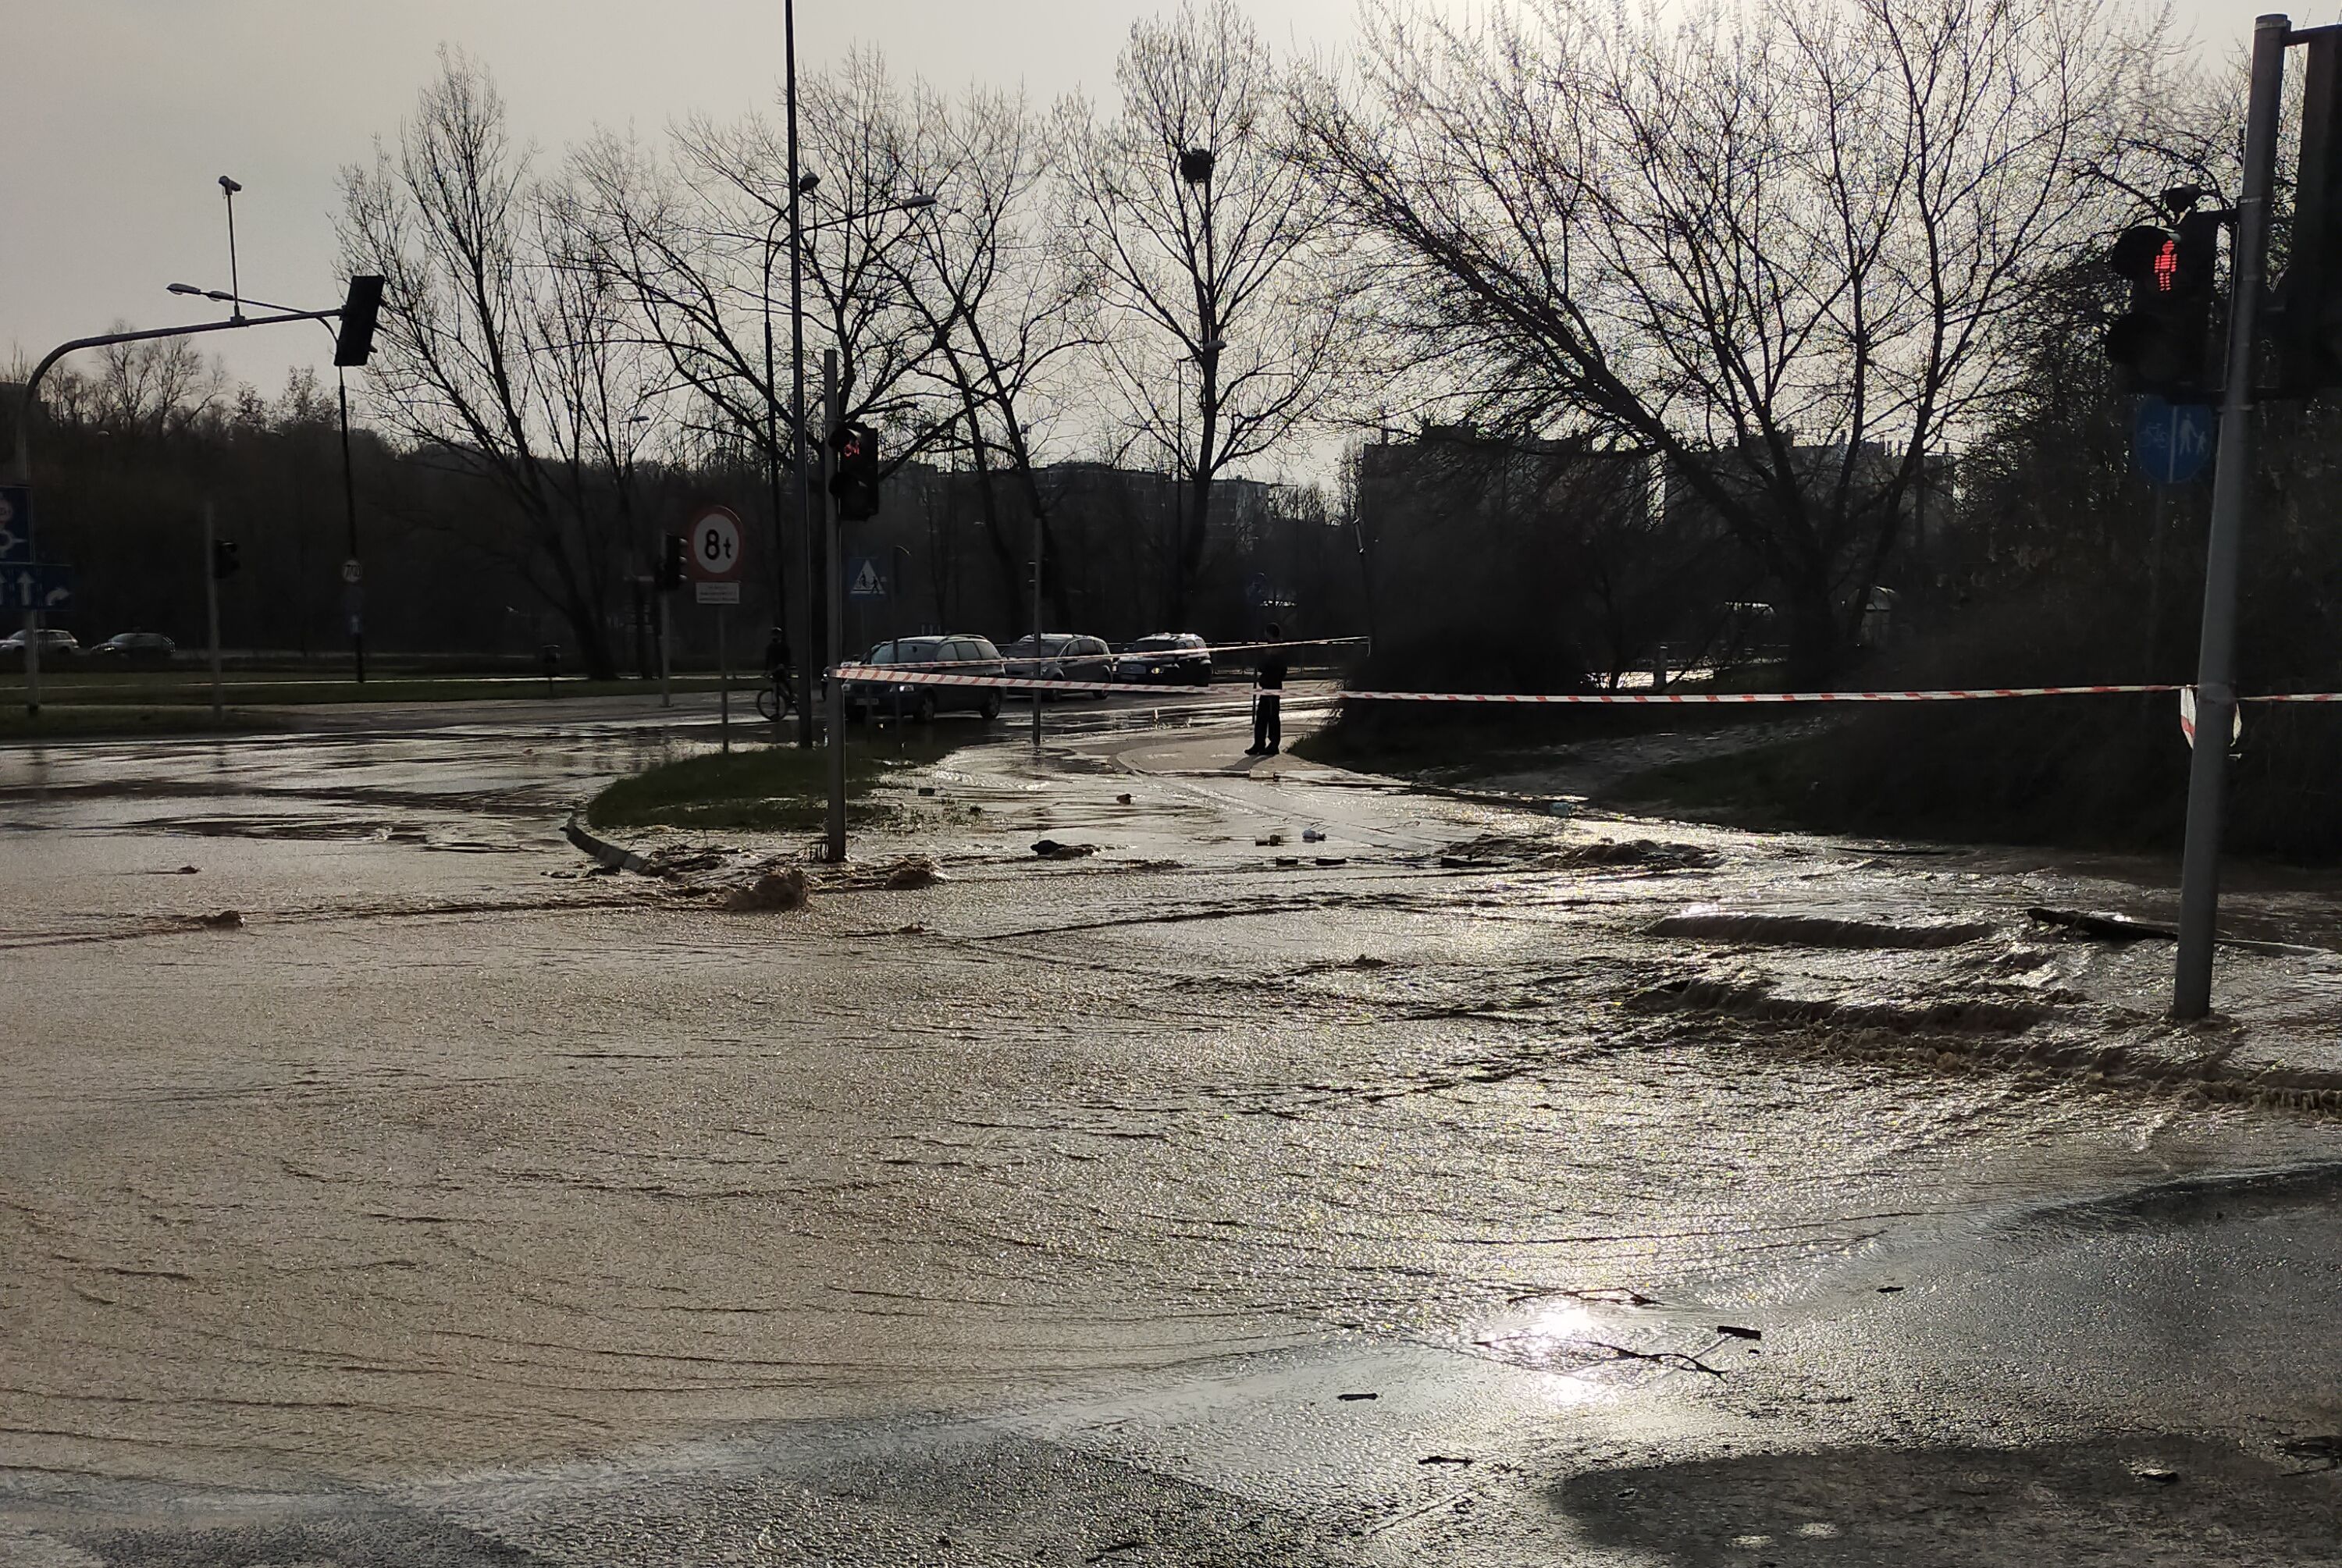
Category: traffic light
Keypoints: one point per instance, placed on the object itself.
(2308, 330)
(360, 311)
(226, 560)
(854, 475)
(2161, 342)
(671, 563)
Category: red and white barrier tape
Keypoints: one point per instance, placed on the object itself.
(1663, 699)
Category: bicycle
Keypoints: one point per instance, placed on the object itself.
(776, 698)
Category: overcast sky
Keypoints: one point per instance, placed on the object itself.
(122, 115)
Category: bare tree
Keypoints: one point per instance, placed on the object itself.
(994, 295)
(702, 242)
(1203, 244)
(1773, 248)
(502, 348)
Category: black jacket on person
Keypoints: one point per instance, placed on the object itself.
(1269, 674)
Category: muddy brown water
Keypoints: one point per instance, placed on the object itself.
(448, 1161)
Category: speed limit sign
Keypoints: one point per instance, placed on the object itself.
(713, 552)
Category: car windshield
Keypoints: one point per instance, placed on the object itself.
(1154, 644)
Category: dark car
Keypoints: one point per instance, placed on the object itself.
(959, 655)
(1167, 658)
(135, 648)
(1061, 656)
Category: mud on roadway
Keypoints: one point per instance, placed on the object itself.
(1469, 1184)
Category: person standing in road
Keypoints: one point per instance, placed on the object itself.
(1267, 695)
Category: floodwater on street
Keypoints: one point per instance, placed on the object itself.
(1310, 1168)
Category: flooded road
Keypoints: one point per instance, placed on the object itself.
(1315, 1170)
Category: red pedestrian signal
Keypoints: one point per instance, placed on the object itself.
(2162, 342)
(854, 472)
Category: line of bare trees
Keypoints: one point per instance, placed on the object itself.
(1778, 248)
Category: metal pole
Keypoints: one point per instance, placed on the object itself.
(211, 606)
(32, 663)
(1036, 628)
(836, 688)
(2216, 696)
(235, 280)
(773, 472)
(666, 698)
(350, 507)
(796, 382)
(723, 679)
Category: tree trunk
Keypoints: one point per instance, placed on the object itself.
(1816, 645)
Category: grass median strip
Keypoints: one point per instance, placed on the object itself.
(773, 789)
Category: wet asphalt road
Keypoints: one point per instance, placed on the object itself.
(456, 1207)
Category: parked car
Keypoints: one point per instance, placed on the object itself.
(135, 648)
(1167, 658)
(1060, 656)
(55, 644)
(962, 654)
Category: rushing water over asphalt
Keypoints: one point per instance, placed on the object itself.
(450, 1157)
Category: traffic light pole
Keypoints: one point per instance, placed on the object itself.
(2215, 693)
(211, 606)
(837, 575)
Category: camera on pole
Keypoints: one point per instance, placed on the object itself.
(854, 476)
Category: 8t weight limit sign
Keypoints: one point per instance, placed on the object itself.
(715, 555)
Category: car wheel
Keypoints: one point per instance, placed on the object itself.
(925, 711)
(990, 707)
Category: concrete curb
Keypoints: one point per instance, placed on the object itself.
(615, 856)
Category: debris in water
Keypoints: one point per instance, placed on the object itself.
(1050, 848)
(1271, 842)
(1363, 962)
(2161, 1474)
(1817, 931)
(1441, 1459)
(2328, 1447)
(773, 890)
(1736, 1332)
(927, 789)
(1288, 860)
(913, 871)
(1311, 835)
(1350, 1396)
(1332, 860)
(1890, 1290)
(187, 871)
(1122, 800)
(224, 919)
(2107, 927)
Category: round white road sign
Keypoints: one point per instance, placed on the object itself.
(714, 545)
